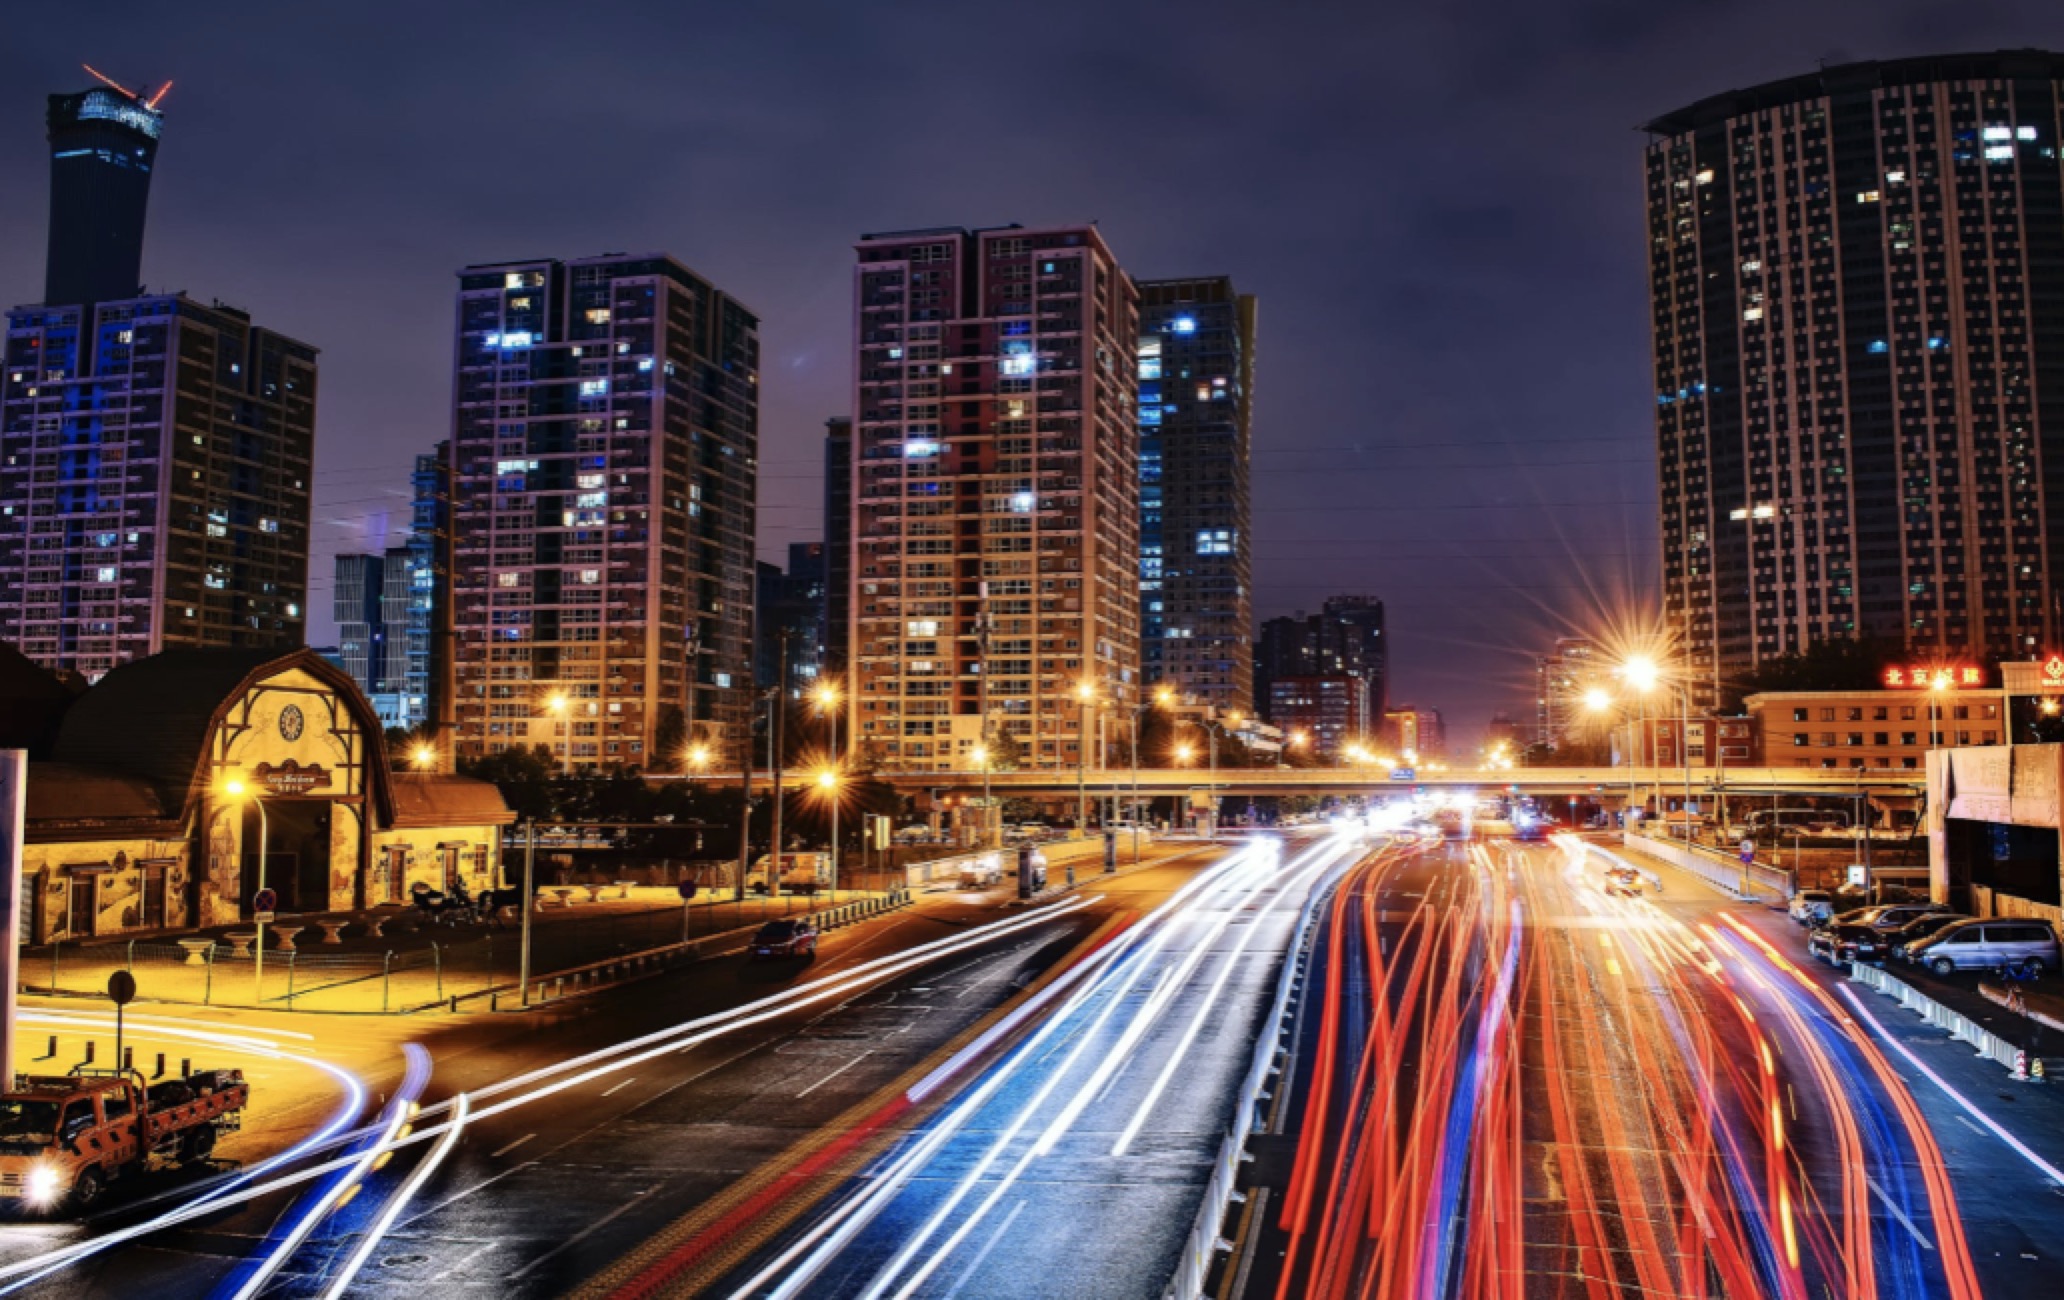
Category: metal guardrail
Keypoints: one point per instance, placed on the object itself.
(1954, 1023)
(1712, 866)
(556, 986)
(1193, 1268)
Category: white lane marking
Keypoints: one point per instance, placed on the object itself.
(621, 1086)
(584, 1233)
(456, 1197)
(477, 1252)
(497, 1155)
(833, 1075)
(2048, 1170)
(983, 1253)
(1969, 1125)
(1899, 1214)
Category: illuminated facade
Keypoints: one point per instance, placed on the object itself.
(155, 458)
(1196, 381)
(604, 458)
(995, 544)
(1858, 292)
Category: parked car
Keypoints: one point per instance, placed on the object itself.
(1994, 944)
(801, 873)
(1900, 942)
(1812, 907)
(790, 937)
(1887, 916)
(982, 872)
(1839, 943)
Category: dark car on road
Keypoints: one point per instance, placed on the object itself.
(1846, 942)
(793, 937)
(1900, 942)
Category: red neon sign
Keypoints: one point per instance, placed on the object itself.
(1921, 677)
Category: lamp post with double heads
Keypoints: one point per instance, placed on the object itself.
(1085, 699)
(1643, 674)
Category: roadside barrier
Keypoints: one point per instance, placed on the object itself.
(1954, 1023)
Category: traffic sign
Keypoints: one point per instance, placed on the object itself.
(687, 889)
(1404, 774)
(121, 988)
(264, 905)
(1748, 851)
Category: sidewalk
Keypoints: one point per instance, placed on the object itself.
(392, 960)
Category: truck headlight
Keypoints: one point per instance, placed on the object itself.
(42, 1186)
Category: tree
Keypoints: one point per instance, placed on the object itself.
(1006, 754)
(669, 741)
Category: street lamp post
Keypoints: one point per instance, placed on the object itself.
(1085, 696)
(827, 700)
(237, 790)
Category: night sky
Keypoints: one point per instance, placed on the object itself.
(1438, 206)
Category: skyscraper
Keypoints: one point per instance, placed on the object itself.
(367, 644)
(103, 143)
(996, 493)
(1859, 359)
(1196, 381)
(790, 604)
(154, 451)
(838, 542)
(426, 595)
(604, 454)
(1560, 680)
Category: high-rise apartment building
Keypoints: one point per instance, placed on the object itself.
(154, 451)
(604, 455)
(789, 607)
(1330, 713)
(375, 660)
(1196, 381)
(1859, 359)
(103, 143)
(1560, 679)
(995, 493)
(838, 542)
(155, 456)
(1345, 639)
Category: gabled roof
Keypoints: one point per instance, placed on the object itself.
(440, 799)
(63, 799)
(151, 718)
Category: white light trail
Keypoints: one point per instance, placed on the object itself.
(399, 1201)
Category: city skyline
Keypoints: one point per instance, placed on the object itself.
(1407, 384)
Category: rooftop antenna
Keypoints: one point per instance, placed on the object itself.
(105, 80)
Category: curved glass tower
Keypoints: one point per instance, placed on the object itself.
(102, 144)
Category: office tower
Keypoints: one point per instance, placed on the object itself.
(604, 454)
(1196, 382)
(996, 494)
(426, 597)
(790, 605)
(1413, 734)
(103, 143)
(1344, 639)
(154, 467)
(838, 542)
(359, 606)
(1560, 680)
(1858, 348)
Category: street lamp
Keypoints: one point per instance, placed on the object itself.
(557, 705)
(698, 758)
(422, 757)
(1937, 684)
(1644, 675)
(827, 696)
(237, 790)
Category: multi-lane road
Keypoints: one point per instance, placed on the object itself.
(1509, 1082)
(1496, 1079)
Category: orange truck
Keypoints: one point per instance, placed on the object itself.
(65, 1137)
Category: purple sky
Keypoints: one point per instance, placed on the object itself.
(1438, 205)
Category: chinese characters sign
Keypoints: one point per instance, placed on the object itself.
(1923, 677)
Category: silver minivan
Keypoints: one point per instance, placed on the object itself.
(1992, 944)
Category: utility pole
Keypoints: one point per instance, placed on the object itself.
(529, 907)
(774, 756)
(745, 799)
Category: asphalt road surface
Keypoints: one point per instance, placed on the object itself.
(1508, 1081)
(636, 1119)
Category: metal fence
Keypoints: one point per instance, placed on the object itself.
(1954, 1023)
(439, 973)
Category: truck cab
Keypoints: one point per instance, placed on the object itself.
(64, 1138)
